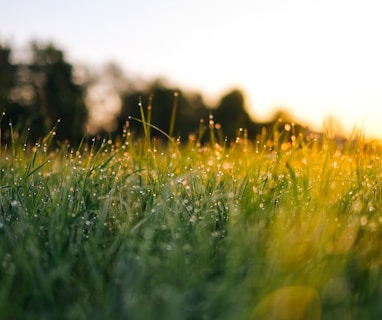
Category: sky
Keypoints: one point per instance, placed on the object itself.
(314, 58)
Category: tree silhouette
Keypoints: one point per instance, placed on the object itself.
(10, 110)
(161, 99)
(57, 95)
(231, 113)
(7, 75)
(39, 92)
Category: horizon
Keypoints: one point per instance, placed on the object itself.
(315, 60)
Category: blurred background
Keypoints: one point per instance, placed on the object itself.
(250, 62)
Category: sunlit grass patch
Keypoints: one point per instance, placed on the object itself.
(146, 229)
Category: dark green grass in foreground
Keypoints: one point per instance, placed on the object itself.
(130, 230)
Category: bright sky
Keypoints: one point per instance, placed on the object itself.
(316, 58)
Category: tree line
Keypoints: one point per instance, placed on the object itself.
(43, 88)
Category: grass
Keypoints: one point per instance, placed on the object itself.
(147, 230)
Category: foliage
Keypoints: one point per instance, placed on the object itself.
(7, 74)
(231, 114)
(40, 92)
(132, 229)
(160, 100)
(57, 95)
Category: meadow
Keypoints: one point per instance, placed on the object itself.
(285, 226)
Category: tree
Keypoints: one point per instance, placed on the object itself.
(190, 108)
(57, 96)
(39, 92)
(10, 110)
(231, 113)
(7, 75)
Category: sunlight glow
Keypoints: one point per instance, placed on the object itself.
(317, 59)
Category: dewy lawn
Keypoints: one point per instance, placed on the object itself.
(142, 229)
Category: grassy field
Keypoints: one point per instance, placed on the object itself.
(140, 229)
